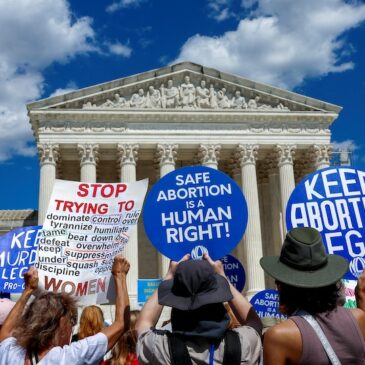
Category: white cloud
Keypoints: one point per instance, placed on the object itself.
(220, 10)
(348, 145)
(33, 35)
(282, 42)
(120, 49)
(116, 5)
(71, 86)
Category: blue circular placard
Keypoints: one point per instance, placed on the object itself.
(332, 200)
(266, 304)
(195, 209)
(234, 271)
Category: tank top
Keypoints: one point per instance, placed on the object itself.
(342, 332)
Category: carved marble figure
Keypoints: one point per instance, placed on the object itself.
(153, 98)
(187, 93)
(138, 100)
(222, 99)
(170, 95)
(238, 101)
(202, 95)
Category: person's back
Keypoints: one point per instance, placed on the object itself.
(342, 331)
(200, 323)
(308, 282)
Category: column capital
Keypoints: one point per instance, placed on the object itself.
(320, 154)
(247, 154)
(48, 153)
(285, 154)
(166, 154)
(88, 153)
(128, 154)
(208, 154)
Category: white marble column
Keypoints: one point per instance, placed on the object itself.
(88, 159)
(208, 155)
(166, 157)
(252, 242)
(48, 156)
(128, 156)
(236, 175)
(321, 155)
(285, 158)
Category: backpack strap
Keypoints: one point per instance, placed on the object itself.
(232, 348)
(179, 354)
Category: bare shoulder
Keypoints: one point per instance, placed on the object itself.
(283, 344)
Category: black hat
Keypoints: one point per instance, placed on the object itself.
(303, 261)
(195, 284)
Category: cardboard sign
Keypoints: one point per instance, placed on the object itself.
(266, 304)
(86, 226)
(234, 271)
(332, 200)
(18, 251)
(146, 288)
(194, 210)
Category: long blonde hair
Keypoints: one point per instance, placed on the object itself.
(124, 350)
(91, 321)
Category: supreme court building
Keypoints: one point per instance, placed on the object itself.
(148, 124)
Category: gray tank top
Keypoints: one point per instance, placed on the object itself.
(342, 332)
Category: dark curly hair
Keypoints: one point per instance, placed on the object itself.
(312, 300)
(38, 326)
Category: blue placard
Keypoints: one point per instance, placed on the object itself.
(193, 210)
(266, 304)
(234, 271)
(18, 251)
(332, 200)
(146, 288)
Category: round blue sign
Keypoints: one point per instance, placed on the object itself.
(266, 304)
(234, 271)
(194, 210)
(332, 200)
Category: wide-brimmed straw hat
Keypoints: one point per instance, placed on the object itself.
(195, 284)
(303, 261)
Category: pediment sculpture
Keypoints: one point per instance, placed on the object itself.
(186, 96)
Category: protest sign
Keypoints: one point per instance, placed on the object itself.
(266, 304)
(146, 288)
(332, 200)
(18, 251)
(86, 226)
(234, 272)
(193, 210)
(349, 293)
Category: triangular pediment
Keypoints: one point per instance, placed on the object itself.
(184, 86)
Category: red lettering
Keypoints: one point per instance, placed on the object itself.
(51, 284)
(58, 203)
(101, 285)
(81, 289)
(68, 206)
(121, 188)
(83, 190)
(95, 189)
(127, 205)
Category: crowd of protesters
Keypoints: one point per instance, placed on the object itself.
(211, 322)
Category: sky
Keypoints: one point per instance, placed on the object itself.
(49, 47)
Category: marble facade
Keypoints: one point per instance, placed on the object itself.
(148, 124)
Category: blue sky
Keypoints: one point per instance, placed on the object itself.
(313, 47)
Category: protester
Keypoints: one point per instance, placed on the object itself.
(308, 281)
(43, 331)
(91, 322)
(124, 351)
(196, 291)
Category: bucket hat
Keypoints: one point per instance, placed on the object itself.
(303, 261)
(195, 284)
